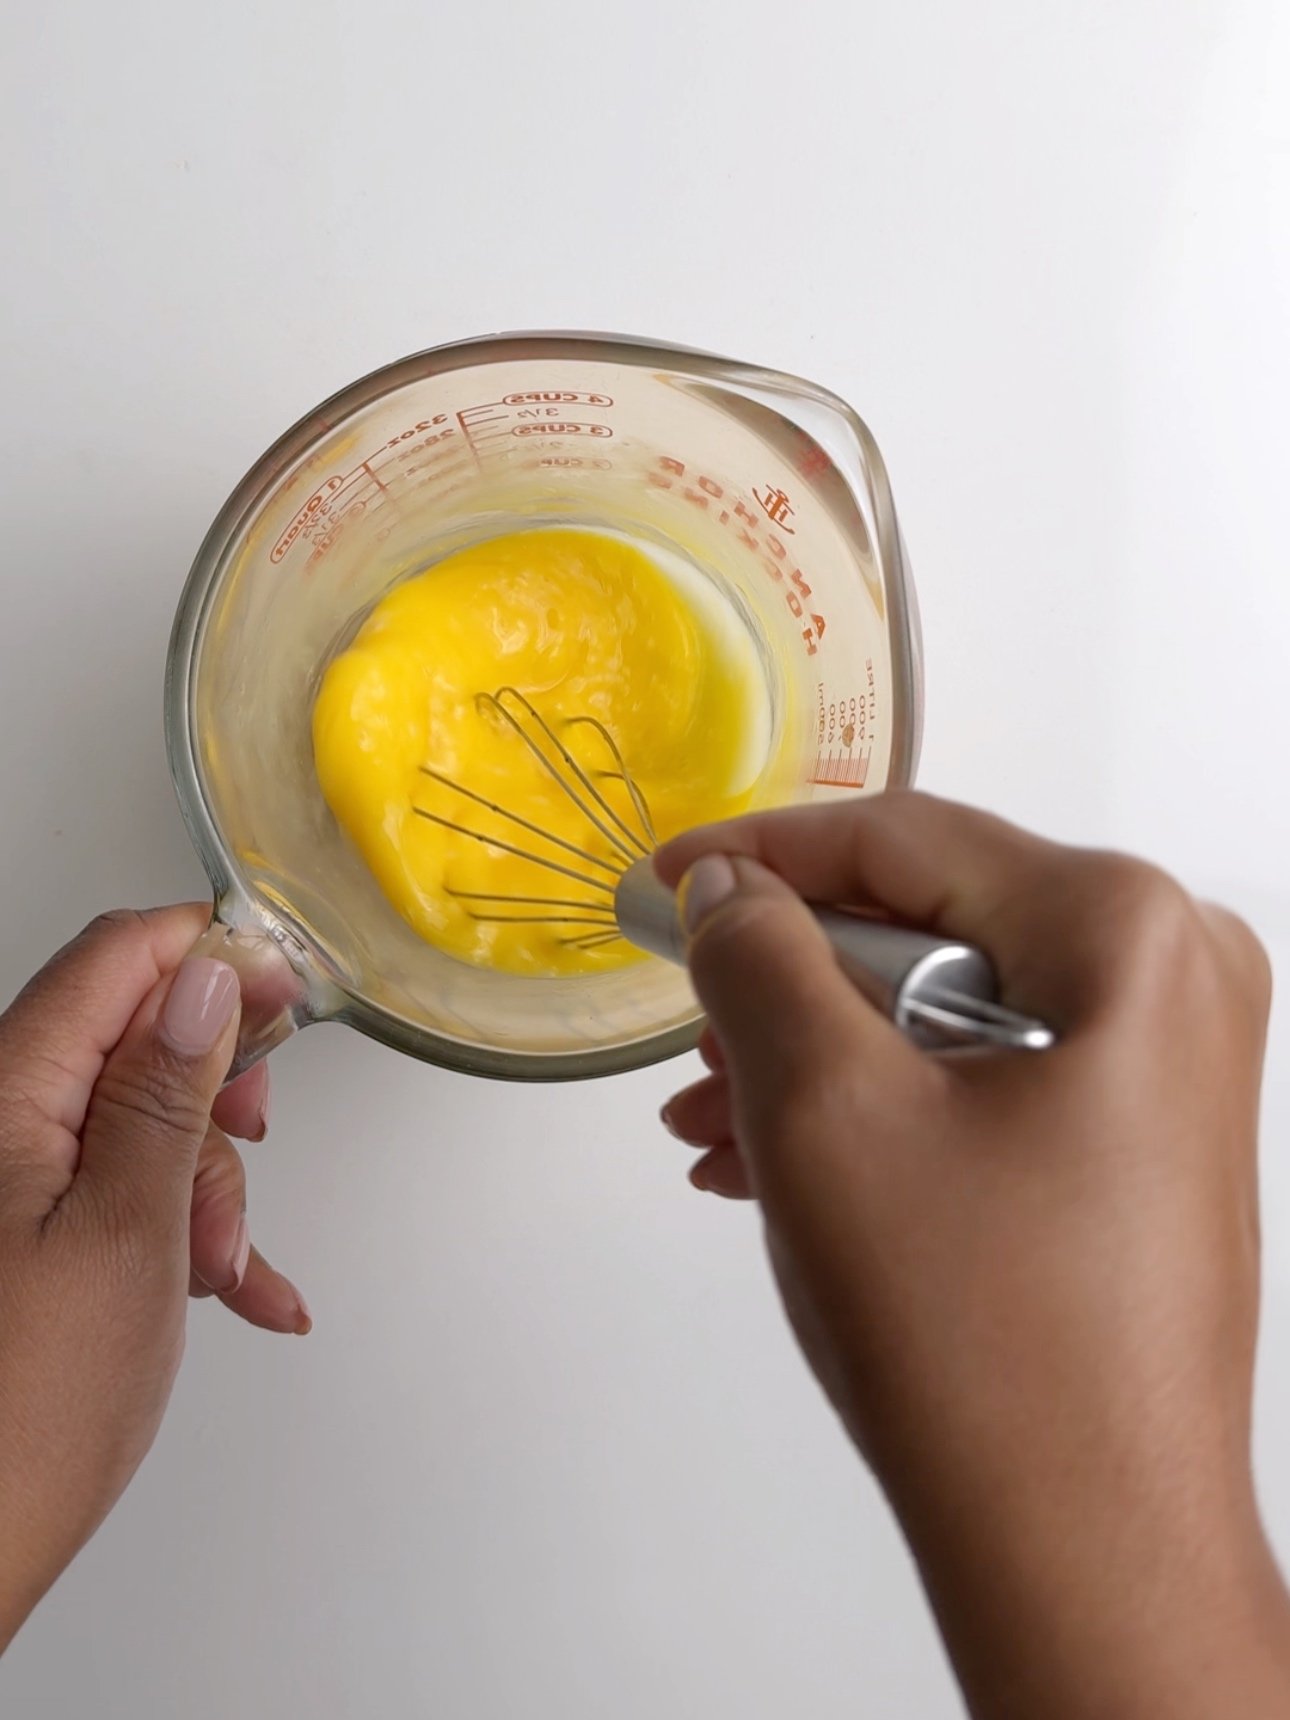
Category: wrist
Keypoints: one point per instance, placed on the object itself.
(21, 1582)
(13, 1611)
(1115, 1608)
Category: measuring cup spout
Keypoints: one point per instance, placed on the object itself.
(280, 992)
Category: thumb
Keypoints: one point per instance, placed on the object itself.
(151, 1104)
(790, 1024)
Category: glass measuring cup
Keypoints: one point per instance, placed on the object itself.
(766, 486)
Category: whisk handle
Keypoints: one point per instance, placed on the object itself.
(941, 993)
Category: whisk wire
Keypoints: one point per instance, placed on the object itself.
(592, 940)
(546, 920)
(622, 775)
(631, 849)
(594, 921)
(530, 901)
(511, 848)
(513, 818)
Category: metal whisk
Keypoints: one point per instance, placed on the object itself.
(941, 993)
(596, 873)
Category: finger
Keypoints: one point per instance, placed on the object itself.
(242, 1108)
(926, 861)
(722, 1172)
(150, 1108)
(701, 1114)
(786, 1016)
(268, 1300)
(219, 1242)
(1041, 911)
(66, 1020)
(1246, 958)
(709, 1049)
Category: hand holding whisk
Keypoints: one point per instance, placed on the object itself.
(940, 992)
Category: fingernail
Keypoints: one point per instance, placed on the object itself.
(241, 1252)
(225, 1283)
(704, 887)
(198, 1006)
(304, 1319)
(699, 1179)
(665, 1117)
(265, 1104)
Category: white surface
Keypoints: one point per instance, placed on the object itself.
(549, 1451)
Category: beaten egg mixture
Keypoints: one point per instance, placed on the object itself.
(581, 624)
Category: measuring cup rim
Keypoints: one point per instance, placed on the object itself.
(376, 1022)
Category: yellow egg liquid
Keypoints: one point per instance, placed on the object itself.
(582, 625)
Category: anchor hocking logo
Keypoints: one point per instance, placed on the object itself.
(777, 508)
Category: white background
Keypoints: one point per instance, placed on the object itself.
(550, 1451)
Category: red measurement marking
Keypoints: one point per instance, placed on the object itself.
(555, 397)
(417, 429)
(441, 441)
(561, 428)
(338, 500)
(442, 464)
(315, 504)
(464, 418)
(842, 770)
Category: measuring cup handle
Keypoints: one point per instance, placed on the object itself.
(277, 999)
